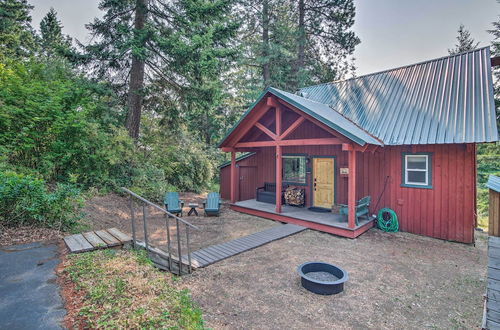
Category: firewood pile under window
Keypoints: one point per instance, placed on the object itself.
(295, 196)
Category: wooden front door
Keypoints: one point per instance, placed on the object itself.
(323, 182)
(248, 182)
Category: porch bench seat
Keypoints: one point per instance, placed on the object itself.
(267, 193)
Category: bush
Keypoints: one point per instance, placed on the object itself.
(149, 182)
(24, 200)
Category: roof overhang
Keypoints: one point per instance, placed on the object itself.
(317, 111)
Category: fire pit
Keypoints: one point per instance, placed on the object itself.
(322, 278)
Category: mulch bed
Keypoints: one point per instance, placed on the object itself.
(72, 298)
(27, 234)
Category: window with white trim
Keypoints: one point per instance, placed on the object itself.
(417, 170)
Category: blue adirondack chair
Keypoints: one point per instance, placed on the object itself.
(173, 204)
(361, 208)
(212, 204)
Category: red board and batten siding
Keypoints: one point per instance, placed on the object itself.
(246, 172)
(446, 211)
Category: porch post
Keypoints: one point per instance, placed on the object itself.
(278, 178)
(278, 161)
(351, 189)
(233, 177)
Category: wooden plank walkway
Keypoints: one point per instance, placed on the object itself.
(94, 240)
(218, 252)
(493, 288)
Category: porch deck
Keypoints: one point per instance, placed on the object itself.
(326, 222)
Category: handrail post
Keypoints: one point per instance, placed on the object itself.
(188, 249)
(179, 254)
(132, 215)
(169, 243)
(144, 210)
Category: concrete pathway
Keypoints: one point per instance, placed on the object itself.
(29, 295)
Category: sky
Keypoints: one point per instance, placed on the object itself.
(393, 33)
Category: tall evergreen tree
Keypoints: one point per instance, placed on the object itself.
(464, 41)
(52, 41)
(324, 40)
(16, 34)
(200, 51)
(119, 49)
(295, 43)
(495, 50)
(136, 44)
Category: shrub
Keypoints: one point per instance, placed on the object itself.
(25, 200)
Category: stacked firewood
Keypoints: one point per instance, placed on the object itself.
(295, 196)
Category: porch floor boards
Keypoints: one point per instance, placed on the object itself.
(326, 219)
(218, 252)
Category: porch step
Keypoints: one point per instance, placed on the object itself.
(218, 252)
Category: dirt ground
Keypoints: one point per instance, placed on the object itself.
(395, 280)
(114, 211)
(400, 281)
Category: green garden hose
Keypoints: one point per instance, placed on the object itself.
(387, 220)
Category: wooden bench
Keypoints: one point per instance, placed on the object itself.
(267, 193)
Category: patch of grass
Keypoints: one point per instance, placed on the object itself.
(123, 290)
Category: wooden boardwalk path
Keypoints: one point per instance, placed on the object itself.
(218, 252)
(94, 240)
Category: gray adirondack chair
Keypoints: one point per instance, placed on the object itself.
(212, 204)
(173, 204)
(361, 208)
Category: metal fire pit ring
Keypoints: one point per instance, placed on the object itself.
(323, 287)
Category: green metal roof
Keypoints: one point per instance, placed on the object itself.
(445, 100)
(327, 116)
(244, 156)
(493, 183)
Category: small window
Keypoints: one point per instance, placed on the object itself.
(417, 170)
(294, 169)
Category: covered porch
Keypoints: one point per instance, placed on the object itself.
(281, 124)
(327, 222)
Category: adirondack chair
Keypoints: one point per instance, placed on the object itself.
(361, 208)
(212, 204)
(173, 204)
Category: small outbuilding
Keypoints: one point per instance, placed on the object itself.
(494, 206)
(404, 137)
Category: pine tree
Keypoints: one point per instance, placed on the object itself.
(200, 51)
(144, 41)
(464, 41)
(495, 50)
(295, 43)
(52, 41)
(17, 38)
(324, 40)
(119, 51)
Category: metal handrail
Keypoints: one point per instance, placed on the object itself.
(159, 208)
(169, 215)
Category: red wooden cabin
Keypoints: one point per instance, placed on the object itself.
(406, 137)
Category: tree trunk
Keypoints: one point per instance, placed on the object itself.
(136, 83)
(301, 46)
(265, 43)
